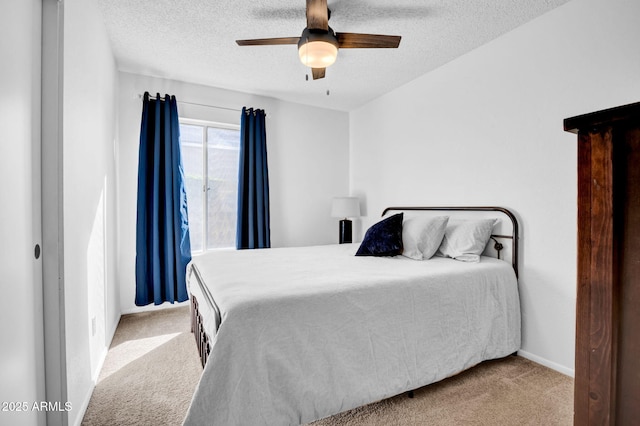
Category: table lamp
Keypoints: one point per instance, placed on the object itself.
(345, 207)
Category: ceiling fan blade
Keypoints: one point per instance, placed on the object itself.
(317, 15)
(268, 41)
(364, 41)
(318, 73)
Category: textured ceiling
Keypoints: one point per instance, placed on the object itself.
(194, 41)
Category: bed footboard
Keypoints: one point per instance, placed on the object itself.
(197, 328)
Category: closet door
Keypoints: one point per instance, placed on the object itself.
(21, 327)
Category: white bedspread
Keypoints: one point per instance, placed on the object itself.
(309, 332)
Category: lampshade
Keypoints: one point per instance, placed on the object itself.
(345, 207)
(318, 54)
(318, 49)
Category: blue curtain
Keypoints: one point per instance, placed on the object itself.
(253, 182)
(163, 248)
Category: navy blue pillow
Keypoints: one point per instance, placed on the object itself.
(384, 238)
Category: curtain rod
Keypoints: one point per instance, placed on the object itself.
(191, 103)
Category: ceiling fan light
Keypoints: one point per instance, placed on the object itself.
(318, 54)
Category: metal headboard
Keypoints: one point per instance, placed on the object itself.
(498, 246)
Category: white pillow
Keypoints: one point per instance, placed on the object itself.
(466, 240)
(421, 236)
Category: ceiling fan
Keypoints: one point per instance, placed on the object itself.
(318, 45)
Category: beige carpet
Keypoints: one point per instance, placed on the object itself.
(150, 372)
(152, 369)
(511, 391)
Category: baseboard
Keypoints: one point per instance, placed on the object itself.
(543, 361)
(95, 374)
(112, 332)
(85, 404)
(149, 308)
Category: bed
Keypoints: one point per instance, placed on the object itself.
(291, 335)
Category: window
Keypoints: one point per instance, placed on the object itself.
(210, 160)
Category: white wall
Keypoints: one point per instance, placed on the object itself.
(21, 334)
(486, 129)
(89, 202)
(307, 150)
